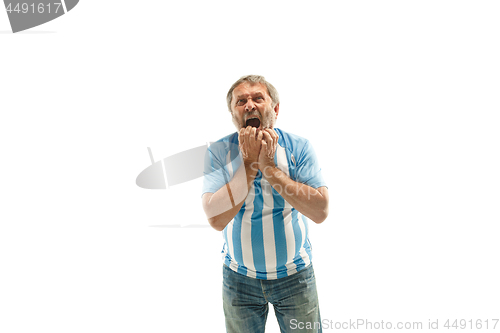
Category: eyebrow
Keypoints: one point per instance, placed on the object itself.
(258, 93)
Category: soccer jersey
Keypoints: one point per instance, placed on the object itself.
(268, 238)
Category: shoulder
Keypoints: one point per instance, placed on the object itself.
(291, 141)
(224, 145)
(232, 138)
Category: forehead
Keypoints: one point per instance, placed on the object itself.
(248, 88)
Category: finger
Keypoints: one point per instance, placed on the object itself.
(259, 135)
(240, 135)
(244, 136)
(247, 130)
(273, 141)
(273, 134)
(276, 138)
(264, 147)
(269, 144)
(267, 136)
(253, 133)
(270, 149)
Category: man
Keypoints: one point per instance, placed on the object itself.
(260, 183)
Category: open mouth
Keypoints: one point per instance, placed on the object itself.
(254, 122)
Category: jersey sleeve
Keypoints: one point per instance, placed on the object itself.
(220, 160)
(307, 169)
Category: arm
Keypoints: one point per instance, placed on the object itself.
(311, 202)
(222, 206)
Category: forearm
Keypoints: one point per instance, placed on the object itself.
(307, 200)
(222, 206)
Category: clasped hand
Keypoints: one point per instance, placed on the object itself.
(258, 147)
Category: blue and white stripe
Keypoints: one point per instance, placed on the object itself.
(268, 238)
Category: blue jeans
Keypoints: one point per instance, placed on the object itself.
(294, 298)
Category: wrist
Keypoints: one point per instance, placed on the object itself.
(266, 165)
(251, 166)
(268, 170)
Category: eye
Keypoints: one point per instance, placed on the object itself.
(240, 102)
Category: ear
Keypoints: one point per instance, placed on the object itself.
(277, 109)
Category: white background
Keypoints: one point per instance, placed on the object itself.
(400, 100)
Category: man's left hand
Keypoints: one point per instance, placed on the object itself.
(268, 149)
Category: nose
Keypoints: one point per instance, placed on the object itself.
(250, 106)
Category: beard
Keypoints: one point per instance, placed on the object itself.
(265, 121)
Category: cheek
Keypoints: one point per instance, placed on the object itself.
(238, 116)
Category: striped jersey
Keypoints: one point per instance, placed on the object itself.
(268, 238)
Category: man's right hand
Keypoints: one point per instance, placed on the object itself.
(250, 144)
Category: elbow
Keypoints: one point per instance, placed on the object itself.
(321, 215)
(216, 223)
